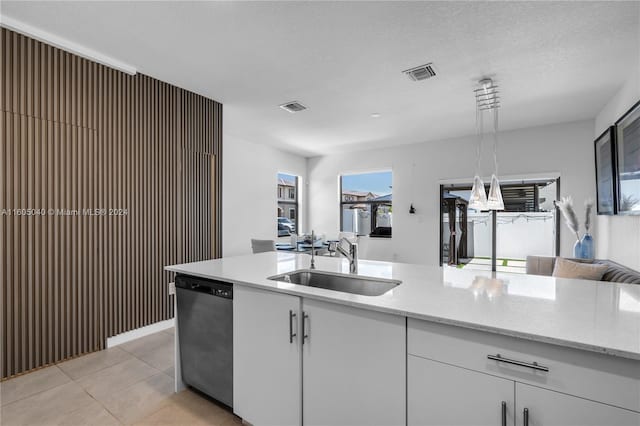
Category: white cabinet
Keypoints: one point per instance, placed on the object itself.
(304, 361)
(267, 370)
(354, 366)
(443, 394)
(440, 394)
(549, 408)
(459, 376)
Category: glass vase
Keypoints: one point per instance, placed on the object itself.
(577, 250)
(587, 246)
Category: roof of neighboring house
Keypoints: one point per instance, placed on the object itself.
(383, 198)
(358, 193)
(286, 182)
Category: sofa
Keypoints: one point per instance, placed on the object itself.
(543, 265)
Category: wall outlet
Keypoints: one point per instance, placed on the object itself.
(172, 288)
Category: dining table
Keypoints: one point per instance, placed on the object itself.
(320, 247)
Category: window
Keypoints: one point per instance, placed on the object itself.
(366, 204)
(287, 205)
(527, 226)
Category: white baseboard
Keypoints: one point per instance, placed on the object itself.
(139, 332)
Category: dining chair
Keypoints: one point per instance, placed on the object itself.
(262, 246)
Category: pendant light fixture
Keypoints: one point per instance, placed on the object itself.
(487, 99)
(478, 197)
(494, 199)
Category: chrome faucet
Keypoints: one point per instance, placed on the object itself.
(313, 250)
(351, 255)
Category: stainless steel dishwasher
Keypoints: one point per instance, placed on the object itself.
(205, 327)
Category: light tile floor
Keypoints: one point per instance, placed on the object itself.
(125, 385)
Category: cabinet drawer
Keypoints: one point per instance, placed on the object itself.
(608, 379)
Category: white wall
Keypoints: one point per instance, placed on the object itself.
(249, 194)
(618, 237)
(566, 149)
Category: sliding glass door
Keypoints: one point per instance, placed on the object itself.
(480, 239)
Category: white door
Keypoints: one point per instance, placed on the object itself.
(354, 364)
(549, 408)
(266, 360)
(442, 394)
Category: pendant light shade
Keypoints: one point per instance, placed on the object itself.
(494, 199)
(478, 197)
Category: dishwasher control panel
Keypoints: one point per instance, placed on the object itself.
(205, 286)
(224, 293)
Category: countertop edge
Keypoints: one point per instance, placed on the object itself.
(441, 320)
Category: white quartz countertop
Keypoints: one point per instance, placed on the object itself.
(597, 316)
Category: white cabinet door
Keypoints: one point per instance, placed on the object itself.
(549, 408)
(266, 365)
(442, 394)
(354, 364)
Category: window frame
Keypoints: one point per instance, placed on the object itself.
(494, 214)
(289, 203)
(374, 204)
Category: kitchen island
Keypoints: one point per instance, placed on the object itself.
(446, 345)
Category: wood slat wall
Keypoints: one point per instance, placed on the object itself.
(78, 135)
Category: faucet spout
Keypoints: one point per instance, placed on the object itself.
(351, 254)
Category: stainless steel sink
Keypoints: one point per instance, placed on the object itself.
(366, 286)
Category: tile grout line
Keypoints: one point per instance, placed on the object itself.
(119, 390)
(96, 371)
(146, 352)
(126, 387)
(71, 380)
(101, 405)
(44, 390)
(130, 386)
(156, 372)
(146, 363)
(161, 406)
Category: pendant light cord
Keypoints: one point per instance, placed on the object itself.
(479, 137)
(495, 140)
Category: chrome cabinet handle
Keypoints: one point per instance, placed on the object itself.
(305, 316)
(533, 365)
(504, 413)
(292, 315)
(525, 417)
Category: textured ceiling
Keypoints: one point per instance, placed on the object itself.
(554, 61)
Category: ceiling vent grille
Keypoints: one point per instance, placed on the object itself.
(422, 72)
(293, 107)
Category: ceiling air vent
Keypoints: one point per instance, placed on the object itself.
(422, 72)
(293, 107)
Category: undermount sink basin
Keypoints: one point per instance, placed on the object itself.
(365, 286)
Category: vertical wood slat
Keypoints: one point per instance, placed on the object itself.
(77, 135)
